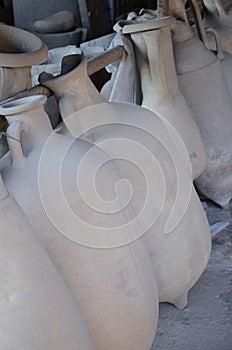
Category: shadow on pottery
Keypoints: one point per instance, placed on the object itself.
(163, 198)
(115, 288)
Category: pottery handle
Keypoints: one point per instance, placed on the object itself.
(145, 11)
(161, 62)
(14, 141)
(219, 48)
(176, 8)
(199, 22)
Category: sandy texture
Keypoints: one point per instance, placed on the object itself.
(206, 323)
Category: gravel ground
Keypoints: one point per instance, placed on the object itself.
(206, 323)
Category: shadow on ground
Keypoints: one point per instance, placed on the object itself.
(206, 323)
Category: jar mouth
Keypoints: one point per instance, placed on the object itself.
(131, 26)
(70, 62)
(68, 65)
(22, 104)
(19, 48)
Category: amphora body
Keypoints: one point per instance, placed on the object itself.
(32, 290)
(149, 154)
(202, 82)
(109, 276)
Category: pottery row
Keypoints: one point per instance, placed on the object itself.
(105, 204)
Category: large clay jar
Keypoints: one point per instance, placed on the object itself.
(35, 303)
(223, 56)
(160, 90)
(219, 16)
(111, 279)
(166, 206)
(19, 50)
(202, 82)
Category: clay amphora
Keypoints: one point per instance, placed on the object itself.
(178, 244)
(115, 287)
(223, 56)
(160, 90)
(19, 50)
(219, 16)
(202, 82)
(32, 290)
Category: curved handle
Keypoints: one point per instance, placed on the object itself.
(199, 22)
(219, 48)
(149, 12)
(14, 141)
(202, 31)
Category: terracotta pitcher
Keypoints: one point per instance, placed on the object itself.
(202, 82)
(32, 290)
(160, 90)
(219, 16)
(178, 248)
(114, 287)
(19, 50)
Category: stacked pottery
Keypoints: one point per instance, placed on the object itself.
(219, 16)
(175, 227)
(59, 30)
(201, 79)
(35, 303)
(159, 85)
(107, 270)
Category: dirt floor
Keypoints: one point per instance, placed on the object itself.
(206, 323)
